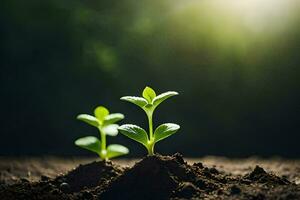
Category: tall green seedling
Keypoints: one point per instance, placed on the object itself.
(106, 125)
(149, 102)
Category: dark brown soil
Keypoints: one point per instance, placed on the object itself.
(154, 177)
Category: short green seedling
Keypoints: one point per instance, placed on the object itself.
(105, 123)
(149, 103)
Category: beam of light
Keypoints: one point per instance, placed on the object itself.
(260, 15)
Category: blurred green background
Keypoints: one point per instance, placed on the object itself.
(234, 63)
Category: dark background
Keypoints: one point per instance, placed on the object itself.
(235, 65)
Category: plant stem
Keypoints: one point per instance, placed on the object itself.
(103, 141)
(151, 138)
(103, 144)
(151, 148)
(150, 125)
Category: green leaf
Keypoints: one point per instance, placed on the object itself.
(115, 150)
(141, 102)
(160, 98)
(101, 112)
(134, 132)
(113, 118)
(149, 94)
(90, 143)
(111, 129)
(89, 119)
(164, 131)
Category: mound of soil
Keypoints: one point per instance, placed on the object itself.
(73, 185)
(88, 176)
(154, 177)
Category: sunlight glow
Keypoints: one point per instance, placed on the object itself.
(255, 15)
(262, 14)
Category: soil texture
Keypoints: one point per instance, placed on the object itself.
(154, 177)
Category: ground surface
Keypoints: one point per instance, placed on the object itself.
(156, 177)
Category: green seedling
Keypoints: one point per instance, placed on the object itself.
(105, 123)
(149, 103)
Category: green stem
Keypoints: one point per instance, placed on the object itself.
(151, 148)
(151, 137)
(103, 144)
(103, 141)
(150, 125)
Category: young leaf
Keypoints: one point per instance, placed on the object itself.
(149, 94)
(113, 118)
(90, 143)
(115, 150)
(141, 102)
(89, 119)
(160, 98)
(101, 112)
(164, 131)
(134, 132)
(111, 129)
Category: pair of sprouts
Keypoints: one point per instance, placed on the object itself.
(106, 124)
